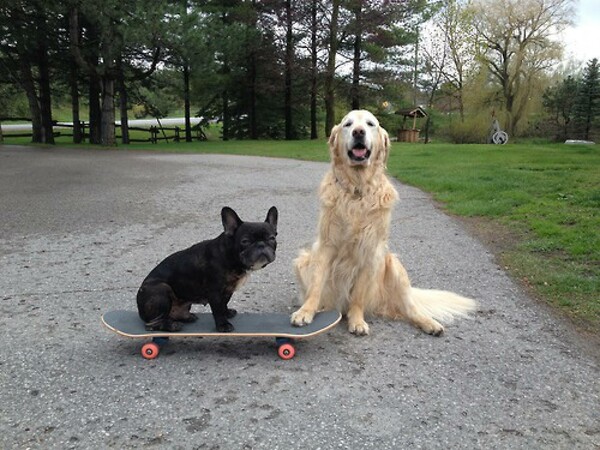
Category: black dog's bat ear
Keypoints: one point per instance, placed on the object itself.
(272, 216)
(231, 221)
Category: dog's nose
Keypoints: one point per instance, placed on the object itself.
(358, 132)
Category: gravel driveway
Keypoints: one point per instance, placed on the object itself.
(80, 229)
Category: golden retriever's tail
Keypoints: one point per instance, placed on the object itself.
(421, 307)
(442, 305)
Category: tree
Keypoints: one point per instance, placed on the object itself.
(559, 102)
(332, 48)
(313, 69)
(30, 38)
(517, 46)
(450, 47)
(312, 37)
(375, 36)
(250, 63)
(183, 42)
(122, 32)
(356, 7)
(587, 102)
(436, 68)
(289, 60)
(109, 48)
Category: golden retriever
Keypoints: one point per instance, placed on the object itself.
(349, 267)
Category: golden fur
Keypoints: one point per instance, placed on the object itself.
(349, 267)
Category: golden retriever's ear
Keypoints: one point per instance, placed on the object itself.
(333, 143)
(385, 145)
(333, 135)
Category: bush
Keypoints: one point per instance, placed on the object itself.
(139, 111)
(473, 130)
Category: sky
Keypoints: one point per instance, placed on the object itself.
(582, 42)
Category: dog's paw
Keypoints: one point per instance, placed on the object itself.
(433, 328)
(175, 325)
(359, 328)
(231, 313)
(302, 317)
(224, 327)
(191, 317)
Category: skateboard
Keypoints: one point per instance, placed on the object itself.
(128, 323)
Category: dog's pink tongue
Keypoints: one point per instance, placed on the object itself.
(359, 152)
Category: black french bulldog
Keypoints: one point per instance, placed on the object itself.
(207, 272)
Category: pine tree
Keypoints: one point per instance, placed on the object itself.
(559, 103)
(587, 104)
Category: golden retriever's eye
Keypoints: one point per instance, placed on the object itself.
(347, 124)
(370, 123)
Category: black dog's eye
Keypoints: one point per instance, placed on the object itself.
(245, 242)
(370, 123)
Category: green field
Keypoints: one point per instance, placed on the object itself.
(537, 206)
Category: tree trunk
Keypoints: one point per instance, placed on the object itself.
(330, 71)
(252, 94)
(354, 91)
(416, 71)
(110, 52)
(225, 99)
(44, 92)
(123, 100)
(108, 112)
(186, 101)
(95, 112)
(186, 88)
(90, 66)
(77, 135)
(252, 78)
(34, 107)
(289, 55)
(313, 66)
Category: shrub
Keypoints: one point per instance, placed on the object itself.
(473, 130)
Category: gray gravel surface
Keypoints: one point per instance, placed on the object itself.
(80, 229)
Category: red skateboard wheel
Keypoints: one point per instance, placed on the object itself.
(150, 350)
(286, 351)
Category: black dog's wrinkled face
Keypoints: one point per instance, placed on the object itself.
(255, 242)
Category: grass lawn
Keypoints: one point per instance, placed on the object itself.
(538, 206)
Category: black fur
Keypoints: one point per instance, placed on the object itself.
(208, 272)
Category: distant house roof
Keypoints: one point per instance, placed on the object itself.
(412, 112)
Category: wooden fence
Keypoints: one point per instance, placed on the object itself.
(156, 133)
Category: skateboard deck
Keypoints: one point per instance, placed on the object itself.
(277, 325)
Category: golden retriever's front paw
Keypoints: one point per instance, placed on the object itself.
(360, 328)
(433, 328)
(302, 317)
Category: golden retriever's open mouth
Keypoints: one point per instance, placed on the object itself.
(359, 154)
